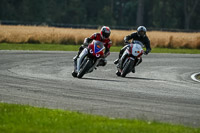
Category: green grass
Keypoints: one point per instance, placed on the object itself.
(176, 51)
(26, 119)
(198, 77)
(45, 47)
(164, 50)
(58, 47)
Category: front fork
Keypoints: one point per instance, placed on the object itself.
(122, 63)
(75, 65)
(122, 60)
(80, 58)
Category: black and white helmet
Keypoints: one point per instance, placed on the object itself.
(141, 31)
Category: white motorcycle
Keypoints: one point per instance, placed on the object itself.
(130, 58)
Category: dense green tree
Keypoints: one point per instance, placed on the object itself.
(107, 19)
(189, 8)
(159, 14)
(140, 12)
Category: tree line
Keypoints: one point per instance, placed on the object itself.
(169, 14)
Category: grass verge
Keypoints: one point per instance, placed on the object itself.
(198, 76)
(43, 47)
(51, 35)
(22, 118)
(58, 47)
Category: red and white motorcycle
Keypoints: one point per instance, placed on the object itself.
(88, 59)
(130, 58)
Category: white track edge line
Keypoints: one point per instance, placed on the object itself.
(193, 76)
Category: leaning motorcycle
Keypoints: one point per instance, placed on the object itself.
(88, 59)
(130, 58)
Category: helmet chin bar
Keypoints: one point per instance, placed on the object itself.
(141, 29)
(141, 33)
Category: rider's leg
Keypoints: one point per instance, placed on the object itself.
(120, 54)
(79, 52)
(102, 62)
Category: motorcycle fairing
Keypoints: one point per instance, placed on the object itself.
(136, 50)
(81, 56)
(98, 46)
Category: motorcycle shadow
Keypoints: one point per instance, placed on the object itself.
(140, 78)
(100, 79)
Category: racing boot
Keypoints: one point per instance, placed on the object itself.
(116, 61)
(120, 55)
(118, 73)
(75, 57)
(79, 52)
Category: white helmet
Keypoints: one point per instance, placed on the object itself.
(141, 31)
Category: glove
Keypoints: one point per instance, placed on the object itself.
(85, 44)
(126, 42)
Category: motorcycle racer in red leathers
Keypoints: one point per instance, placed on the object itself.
(103, 36)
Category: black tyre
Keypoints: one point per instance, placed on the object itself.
(127, 68)
(118, 73)
(74, 74)
(84, 69)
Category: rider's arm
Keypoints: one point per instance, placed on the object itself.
(129, 37)
(107, 48)
(107, 52)
(147, 44)
(89, 39)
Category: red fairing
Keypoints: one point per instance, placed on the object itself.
(101, 53)
(97, 36)
(91, 47)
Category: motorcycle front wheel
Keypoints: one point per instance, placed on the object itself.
(127, 68)
(84, 68)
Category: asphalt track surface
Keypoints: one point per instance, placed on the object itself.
(160, 90)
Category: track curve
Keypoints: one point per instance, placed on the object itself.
(161, 89)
